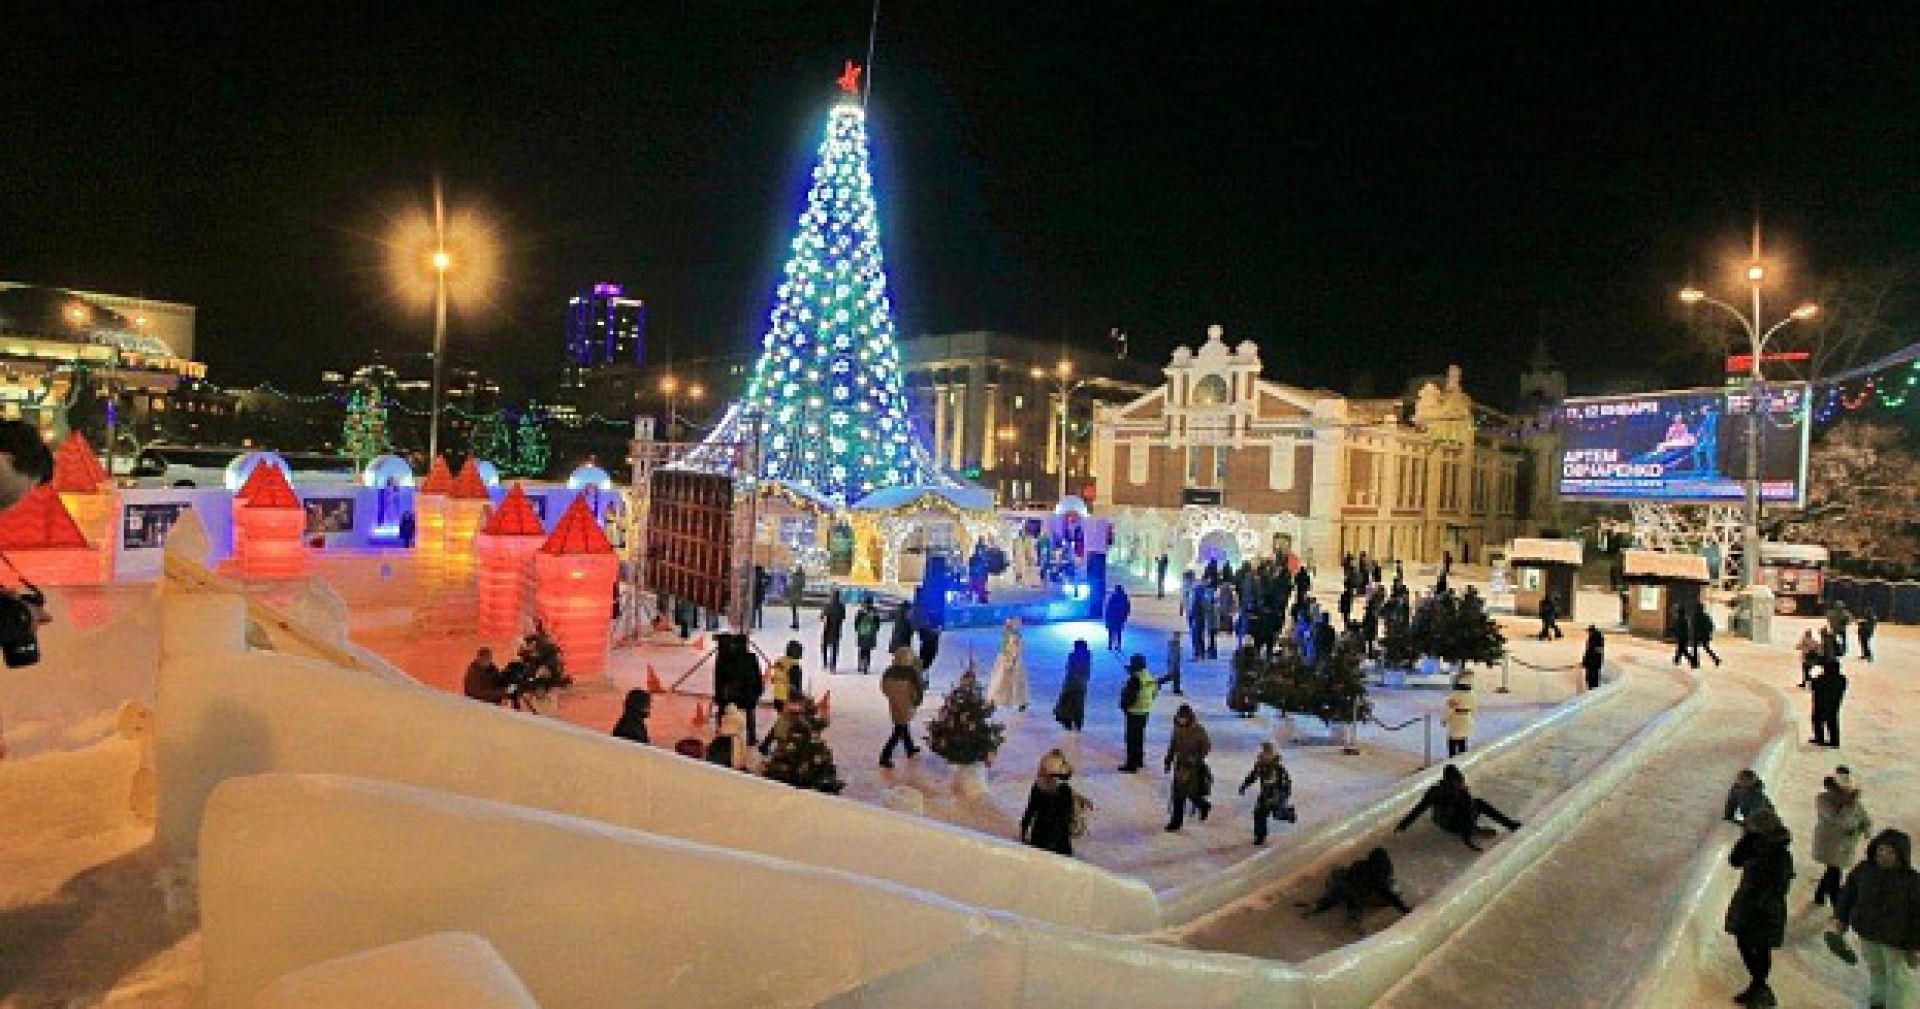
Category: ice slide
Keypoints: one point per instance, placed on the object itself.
(1583, 926)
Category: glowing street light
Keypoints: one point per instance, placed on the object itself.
(1758, 337)
(437, 256)
(1062, 372)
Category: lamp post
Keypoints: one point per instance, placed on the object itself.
(670, 387)
(442, 262)
(1758, 336)
(1064, 387)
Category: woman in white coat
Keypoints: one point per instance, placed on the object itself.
(1007, 686)
(1460, 709)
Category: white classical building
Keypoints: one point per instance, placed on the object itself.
(1221, 463)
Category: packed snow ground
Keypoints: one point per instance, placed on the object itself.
(1126, 832)
(83, 907)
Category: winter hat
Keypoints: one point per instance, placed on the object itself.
(1137, 664)
(1055, 765)
(1763, 820)
(1843, 778)
(904, 656)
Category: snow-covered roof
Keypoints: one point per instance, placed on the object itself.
(1541, 551)
(1802, 553)
(973, 499)
(1656, 564)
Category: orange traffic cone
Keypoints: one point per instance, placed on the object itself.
(653, 681)
(825, 706)
(699, 714)
(700, 643)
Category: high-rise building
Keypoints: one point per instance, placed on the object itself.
(603, 327)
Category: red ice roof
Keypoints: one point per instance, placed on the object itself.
(468, 485)
(271, 490)
(39, 522)
(514, 517)
(577, 533)
(75, 469)
(439, 478)
(256, 479)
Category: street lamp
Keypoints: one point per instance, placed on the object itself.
(1060, 378)
(436, 256)
(670, 387)
(442, 262)
(1757, 340)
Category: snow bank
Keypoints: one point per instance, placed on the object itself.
(221, 716)
(449, 970)
(1659, 564)
(98, 653)
(299, 869)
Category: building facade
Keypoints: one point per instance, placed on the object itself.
(1219, 462)
(990, 406)
(604, 327)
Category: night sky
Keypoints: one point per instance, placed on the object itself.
(1370, 191)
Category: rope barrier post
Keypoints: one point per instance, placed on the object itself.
(1426, 741)
(1352, 749)
(1506, 669)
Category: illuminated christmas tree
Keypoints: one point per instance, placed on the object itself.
(364, 433)
(529, 446)
(491, 440)
(828, 381)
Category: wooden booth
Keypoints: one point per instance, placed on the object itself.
(1542, 568)
(1660, 586)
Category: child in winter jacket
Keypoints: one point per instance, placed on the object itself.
(1747, 796)
(1275, 797)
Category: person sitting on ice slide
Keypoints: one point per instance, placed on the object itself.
(1355, 887)
(1455, 810)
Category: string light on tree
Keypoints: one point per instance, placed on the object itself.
(829, 371)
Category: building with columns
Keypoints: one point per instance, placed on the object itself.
(1218, 462)
(985, 414)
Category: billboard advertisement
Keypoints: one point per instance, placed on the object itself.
(1684, 447)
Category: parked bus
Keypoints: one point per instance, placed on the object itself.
(194, 466)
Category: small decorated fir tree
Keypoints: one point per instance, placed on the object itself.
(542, 665)
(364, 433)
(1453, 629)
(1333, 691)
(491, 440)
(529, 446)
(964, 731)
(800, 756)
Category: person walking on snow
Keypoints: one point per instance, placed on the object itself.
(1829, 688)
(905, 690)
(1881, 902)
(1119, 608)
(1550, 619)
(1840, 826)
(1048, 822)
(1160, 576)
(1136, 703)
(1460, 709)
(1187, 749)
(1070, 709)
(1757, 914)
(1682, 624)
(1869, 622)
(1455, 810)
(1275, 797)
(866, 634)
(1838, 619)
(1173, 664)
(1007, 684)
(1594, 657)
(833, 621)
(902, 634)
(1703, 636)
(796, 592)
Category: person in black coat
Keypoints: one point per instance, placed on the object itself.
(1455, 810)
(902, 634)
(1594, 657)
(1160, 576)
(736, 679)
(1757, 914)
(1550, 619)
(1119, 608)
(1829, 688)
(1682, 624)
(1366, 882)
(1702, 624)
(1047, 823)
(633, 717)
(762, 581)
(1880, 902)
(1070, 709)
(833, 620)
(929, 647)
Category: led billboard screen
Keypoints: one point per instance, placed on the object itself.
(1684, 447)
